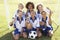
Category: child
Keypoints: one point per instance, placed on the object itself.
(39, 10)
(30, 7)
(19, 20)
(35, 22)
(45, 25)
(20, 7)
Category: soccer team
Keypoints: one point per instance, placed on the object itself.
(25, 22)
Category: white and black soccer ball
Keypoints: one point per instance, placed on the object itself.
(33, 34)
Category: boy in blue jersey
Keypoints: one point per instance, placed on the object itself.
(39, 10)
(18, 23)
(30, 7)
(35, 22)
(45, 25)
(20, 7)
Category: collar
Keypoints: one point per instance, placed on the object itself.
(19, 19)
(38, 12)
(32, 19)
(44, 20)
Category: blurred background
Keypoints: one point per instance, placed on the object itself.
(8, 7)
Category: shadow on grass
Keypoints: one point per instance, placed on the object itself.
(9, 37)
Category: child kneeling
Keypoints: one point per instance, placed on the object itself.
(45, 25)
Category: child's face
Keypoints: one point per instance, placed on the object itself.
(44, 14)
(30, 7)
(29, 26)
(32, 14)
(20, 14)
(20, 7)
(40, 8)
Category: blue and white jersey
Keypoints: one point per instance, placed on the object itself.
(35, 22)
(15, 14)
(45, 28)
(38, 15)
(19, 23)
(46, 21)
(28, 14)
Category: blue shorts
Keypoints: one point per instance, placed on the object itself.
(16, 32)
(46, 29)
(28, 30)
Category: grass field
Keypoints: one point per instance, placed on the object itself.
(5, 32)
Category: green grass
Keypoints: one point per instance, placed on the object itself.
(9, 37)
(5, 33)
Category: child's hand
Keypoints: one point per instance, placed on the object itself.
(11, 23)
(37, 29)
(42, 23)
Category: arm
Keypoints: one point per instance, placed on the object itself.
(37, 25)
(50, 21)
(50, 14)
(47, 23)
(13, 18)
(42, 23)
(11, 23)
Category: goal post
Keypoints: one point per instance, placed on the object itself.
(7, 12)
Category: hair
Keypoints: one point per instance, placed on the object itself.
(21, 4)
(43, 12)
(33, 11)
(18, 11)
(31, 4)
(39, 5)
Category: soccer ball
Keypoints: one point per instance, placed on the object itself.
(33, 34)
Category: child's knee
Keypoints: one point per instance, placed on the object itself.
(16, 37)
(50, 33)
(39, 34)
(24, 35)
(21, 35)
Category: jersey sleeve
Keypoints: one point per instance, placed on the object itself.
(40, 18)
(37, 24)
(47, 22)
(23, 23)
